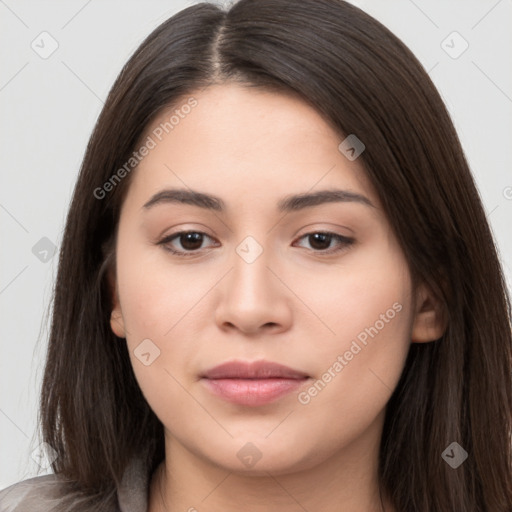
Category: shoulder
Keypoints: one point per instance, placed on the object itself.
(38, 494)
(45, 493)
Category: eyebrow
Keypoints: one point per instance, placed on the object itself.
(290, 203)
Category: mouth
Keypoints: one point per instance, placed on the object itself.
(252, 383)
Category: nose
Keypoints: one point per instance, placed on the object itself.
(253, 298)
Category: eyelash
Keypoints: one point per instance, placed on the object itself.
(345, 242)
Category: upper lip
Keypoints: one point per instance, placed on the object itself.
(252, 370)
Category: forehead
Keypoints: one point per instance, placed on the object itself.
(246, 143)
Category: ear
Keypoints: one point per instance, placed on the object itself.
(116, 316)
(429, 322)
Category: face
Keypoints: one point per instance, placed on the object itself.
(321, 287)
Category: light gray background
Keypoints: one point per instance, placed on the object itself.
(49, 106)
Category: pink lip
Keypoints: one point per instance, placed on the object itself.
(252, 370)
(252, 383)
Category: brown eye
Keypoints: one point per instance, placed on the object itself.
(321, 242)
(189, 242)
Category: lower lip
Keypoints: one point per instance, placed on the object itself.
(252, 392)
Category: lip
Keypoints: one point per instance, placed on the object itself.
(252, 383)
(252, 370)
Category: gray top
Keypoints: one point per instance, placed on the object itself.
(40, 494)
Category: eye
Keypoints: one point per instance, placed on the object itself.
(321, 242)
(191, 242)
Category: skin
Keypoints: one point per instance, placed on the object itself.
(294, 305)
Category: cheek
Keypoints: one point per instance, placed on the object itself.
(369, 290)
(154, 295)
(367, 318)
(353, 382)
(155, 314)
(161, 309)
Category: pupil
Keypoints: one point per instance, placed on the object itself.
(192, 240)
(322, 238)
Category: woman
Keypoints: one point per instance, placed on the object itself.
(277, 284)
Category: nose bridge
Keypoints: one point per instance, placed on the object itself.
(250, 274)
(251, 296)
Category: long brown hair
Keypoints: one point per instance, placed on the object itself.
(363, 80)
